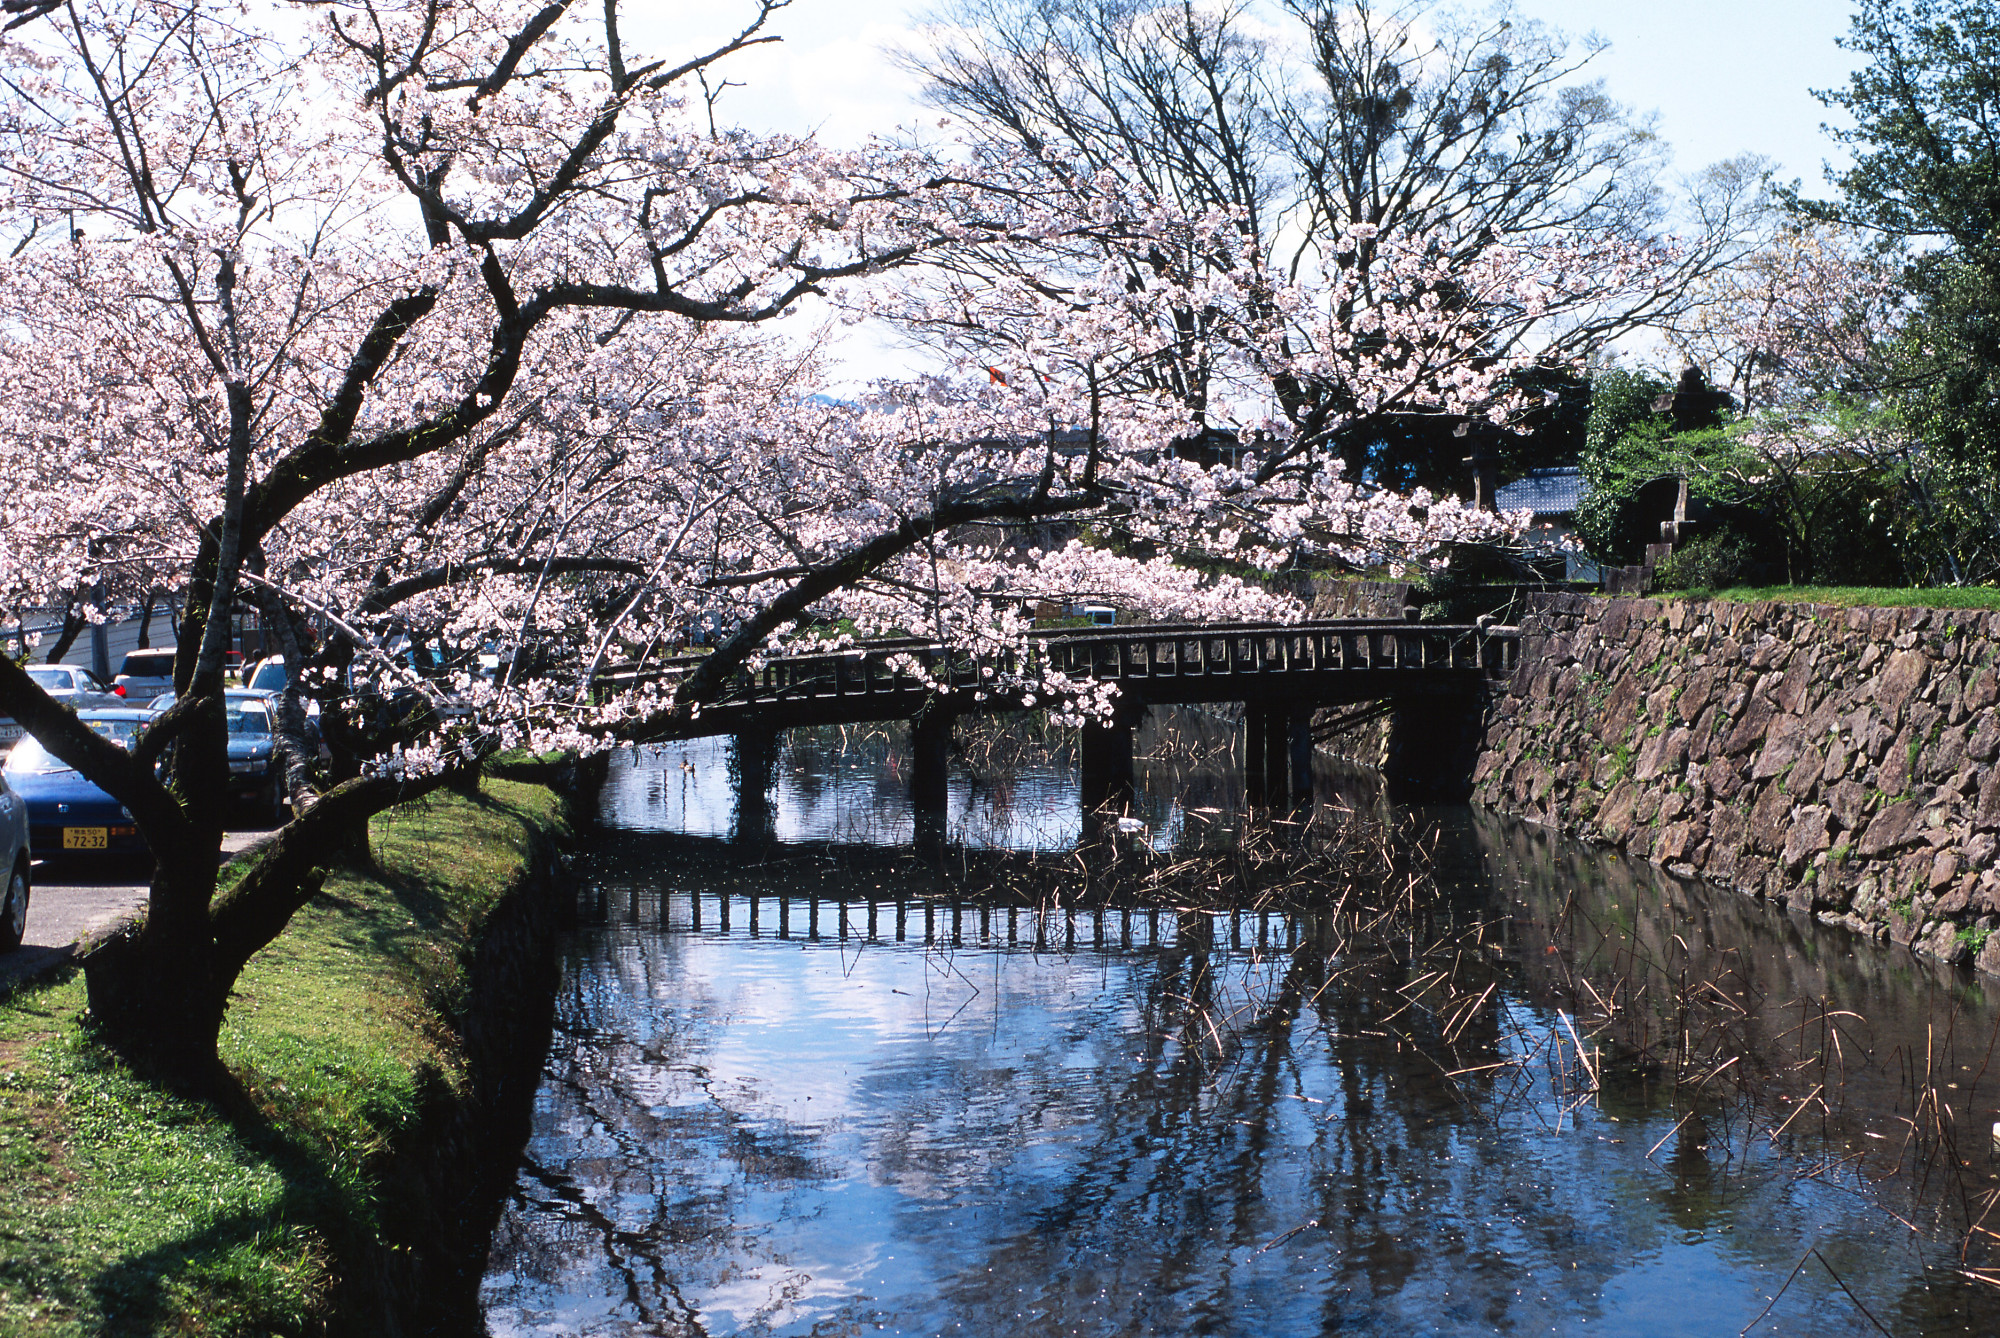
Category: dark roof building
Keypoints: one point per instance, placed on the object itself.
(1546, 492)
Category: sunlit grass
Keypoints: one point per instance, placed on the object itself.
(1853, 596)
(127, 1211)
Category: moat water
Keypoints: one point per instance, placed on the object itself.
(798, 1088)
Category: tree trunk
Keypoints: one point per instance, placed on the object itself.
(73, 625)
(156, 988)
(159, 989)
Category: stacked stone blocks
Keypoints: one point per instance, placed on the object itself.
(1841, 761)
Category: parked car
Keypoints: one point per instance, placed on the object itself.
(19, 869)
(144, 675)
(67, 815)
(77, 687)
(256, 772)
(73, 685)
(268, 675)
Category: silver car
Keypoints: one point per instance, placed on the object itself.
(145, 675)
(14, 847)
(73, 686)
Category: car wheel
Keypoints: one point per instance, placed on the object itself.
(273, 804)
(14, 913)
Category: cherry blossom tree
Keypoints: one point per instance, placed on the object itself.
(1811, 313)
(450, 326)
(276, 299)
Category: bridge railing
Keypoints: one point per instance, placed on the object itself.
(1133, 653)
(1153, 653)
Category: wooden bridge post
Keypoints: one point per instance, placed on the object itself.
(1256, 740)
(930, 748)
(1105, 764)
(1267, 755)
(1277, 756)
(753, 758)
(1299, 756)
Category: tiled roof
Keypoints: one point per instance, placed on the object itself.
(1546, 492)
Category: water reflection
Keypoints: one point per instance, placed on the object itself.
(851, 787)
(791, 1096)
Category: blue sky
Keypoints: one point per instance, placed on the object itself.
(1726, 76)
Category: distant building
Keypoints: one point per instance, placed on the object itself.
(1553, 496)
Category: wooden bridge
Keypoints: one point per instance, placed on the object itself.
(1282, 673)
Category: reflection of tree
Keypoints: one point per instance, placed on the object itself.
(617, 1195)
(1210, 1131)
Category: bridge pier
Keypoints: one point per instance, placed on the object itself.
(930, 796)
(1277, 756)
(753, 757)
(1104, 757)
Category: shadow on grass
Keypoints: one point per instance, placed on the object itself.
(334, 1248)
(29, 963)
(202, 1277)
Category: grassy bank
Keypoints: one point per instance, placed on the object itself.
(1852, 596)
(124, 1211)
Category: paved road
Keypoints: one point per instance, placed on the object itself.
(72, 902)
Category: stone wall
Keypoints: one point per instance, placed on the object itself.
(1327, 598)
(1838, 760)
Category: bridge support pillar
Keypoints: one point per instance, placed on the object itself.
(1299, 756)
(1277, 756)
(1105, 764)
(752, 759)
(930, 749)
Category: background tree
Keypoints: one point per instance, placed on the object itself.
(1608, 522)
(1926, 173)
(1331, 132)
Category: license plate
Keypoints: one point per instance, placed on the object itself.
(85, 838)
(11, 733)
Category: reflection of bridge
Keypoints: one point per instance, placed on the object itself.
(1431, 676)
(948, 922)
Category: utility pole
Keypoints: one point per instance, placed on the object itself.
(100, 637)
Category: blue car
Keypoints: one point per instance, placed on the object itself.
(67, 815)
(256, 768)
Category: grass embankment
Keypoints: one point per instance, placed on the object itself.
(1852, 596)
(127, 1211)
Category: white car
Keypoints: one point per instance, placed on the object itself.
(19, 867)
(70, 684)
(144, 675)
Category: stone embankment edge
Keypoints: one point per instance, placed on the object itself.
(445, 1183)
(1837, 761)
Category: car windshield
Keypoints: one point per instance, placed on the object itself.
(249, 718)
(270, 677)
(29, 758)
(53, 679)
